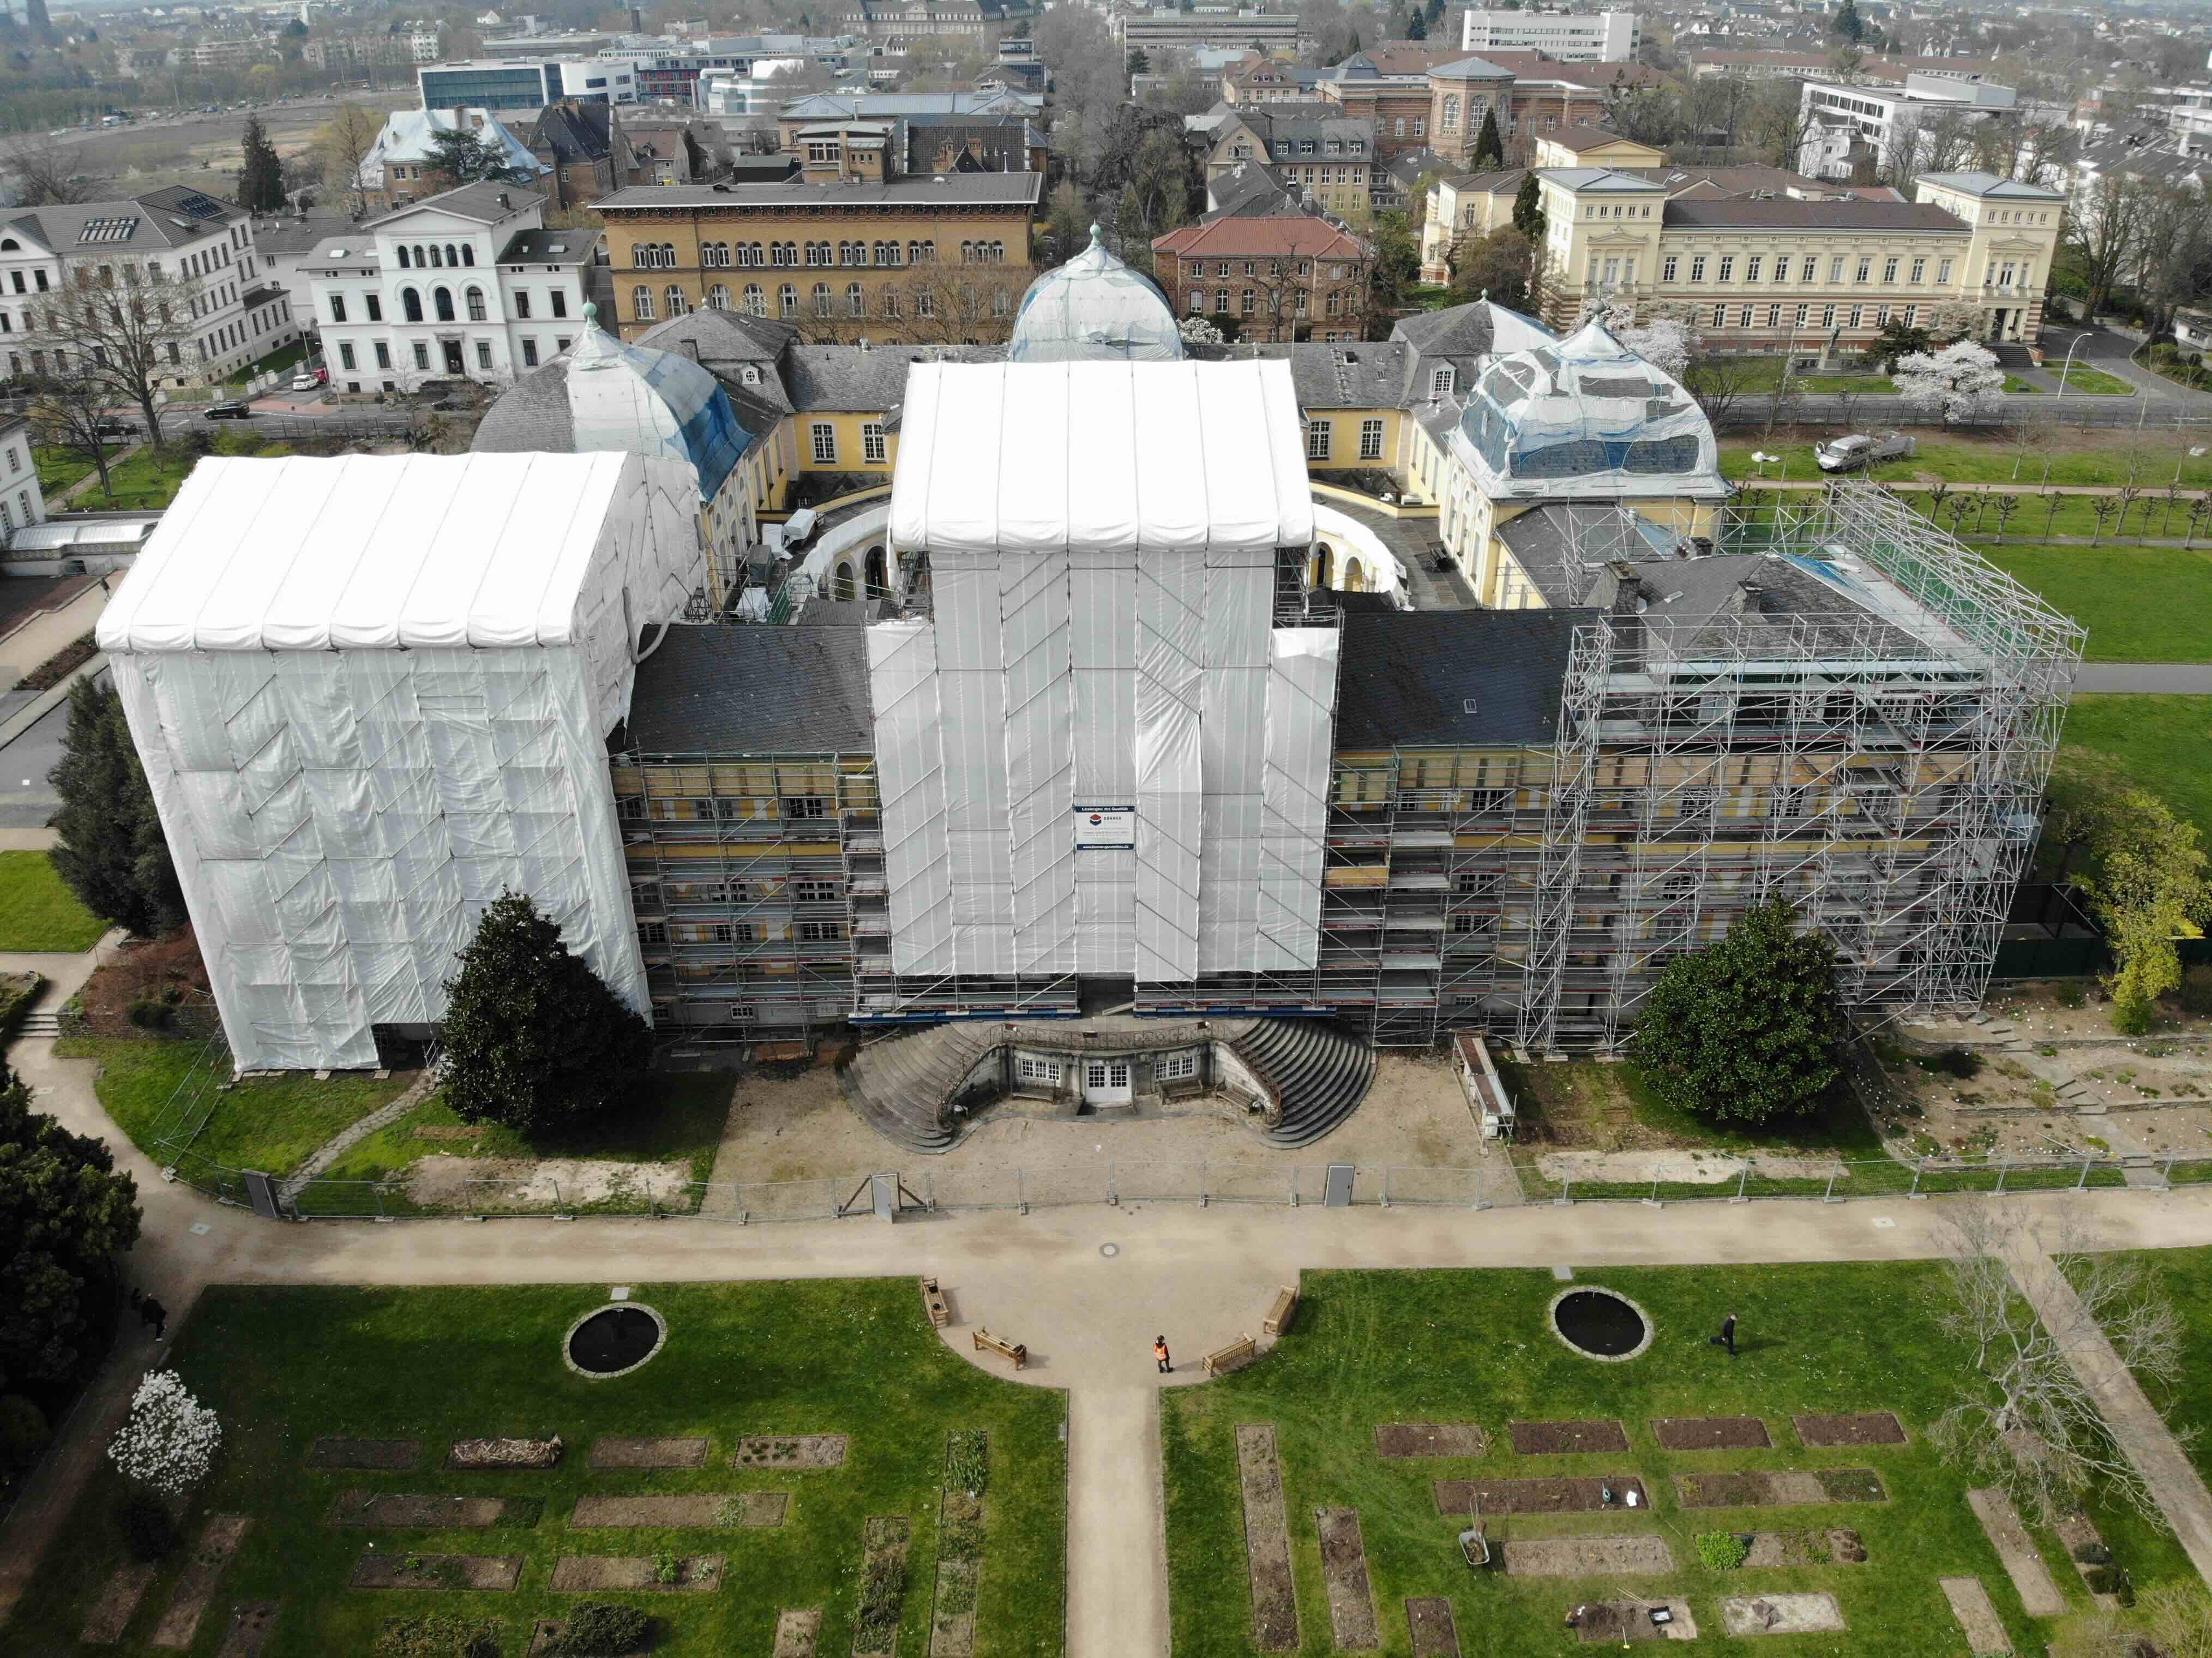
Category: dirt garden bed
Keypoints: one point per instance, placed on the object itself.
(1266, 1540)
(796, 1632)
(1547, 1438)
(1712, 1433)
(882, 1585)
(395, 1569)
(1835, 1545)
(196, 1585)
(545, 1638)
(1779, 1488)
(2023, 1561)
(615, 1452)
(144, 973)
(1429, 1618)
(790, 1451)
(1624, 1621)
(1852, 1427)
(690, 1511)
(1430, 1439)
(253, 1625)
(111, 1614)
(1556, 1495)
(960, 1534)
(1344, 1570)
(426, 1512)
(1978, 1619)
(1780, 1614)
(586, 1574)
(468, 1454)
(1586, 1556)
(383, 1455)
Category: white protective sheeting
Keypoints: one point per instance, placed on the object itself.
(341, 813)
(1301, 727)
(1109, 608)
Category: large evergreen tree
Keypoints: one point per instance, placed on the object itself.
(65, 1214)
(1489, 148)
(533, 1038)
(1747, 1027)
(1528, 213)
(112, 853)
(261, 178)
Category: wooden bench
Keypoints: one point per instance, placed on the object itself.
(1013, 1351)
(1281, 1314)
(1222, 1360)
(932, 1303)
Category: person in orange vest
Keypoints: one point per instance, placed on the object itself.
(1160, 1354)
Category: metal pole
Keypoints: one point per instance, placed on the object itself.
(1203, 1202)
(2003, 1169)
(1021, 1193)
(1113, 1188)
(2084, 1181)
(1566, 1189)
(1829, 1196)
(1918, 1169)
(2169, 1172)
(1742, 1178)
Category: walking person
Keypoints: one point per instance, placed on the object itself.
(1160, 1355)
(151, 1312)
(1727, 1337)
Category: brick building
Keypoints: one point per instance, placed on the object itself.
(1289, 278)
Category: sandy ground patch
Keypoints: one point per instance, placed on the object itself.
(1853, 1428)
(1343, 1569)
(1428, 1618)
(2023, 1561)
(1681, 1168)
(119, 1596)
(391, 1456)
(612, 1452)
(1836, 1545)
(1266, 1540)
(1969, 1604)
(796, 1633)
(682, 1511)
(1780, 1614)
(1586, 1556)
(472, 1185)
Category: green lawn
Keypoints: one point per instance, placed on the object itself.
(265, 1123)
(58, 468)
(275, 363)
(1474, 1346)
(2183, 1276)
(152, 476)
(37, 912)
(2152, 463)
(2105, 589)
(2163, 744)
(2095, 382)
(1765, 375)
(285, 1366)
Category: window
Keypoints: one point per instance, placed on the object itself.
(1249, 303)
(824, 302)
(484, 354)
(1449, 121)
(1827, 316)
(825, 443)
(641, 303)
(820, 932)
(1727, 268)
(1441, 380)
(1177, 1068)
(1889, 269)
(1720, 316)
(1036, 1071)
(1865, 271)
(1697, 268)
(337, 308)
(1751, 267)
(468, 255)
(1942, 271)
(443, 298)
(1220, 301)
(815, 892)
(1836, 269)
(1801, 313)
(1318, 434)
(1667, 270)
(1919, 270)
(856, 301)
(530, 354)
(476, 301)
(346, 361)
(753, 302)
(1371, 439)
(521, 302)
(803, 805)
(422, 354)
(560, 302)
(872, 442)
(1858, 311)
(1197, 299)
(410, 305)
(679, 302)
(1421, 126)
(717, 297)
(375, 304)
(383, 355)
(403, 257)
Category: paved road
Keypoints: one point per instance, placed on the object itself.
(2144, 679)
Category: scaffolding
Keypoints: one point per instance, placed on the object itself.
(1879, 763)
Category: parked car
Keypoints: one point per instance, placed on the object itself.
(1862, 449)
(308, 379)
(114, 428)
(236, 411)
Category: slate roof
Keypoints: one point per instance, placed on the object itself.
(1853, 214)
(971, 188)
(574, 131)
(172, 217)
(752, 689)
(292, 234)
(1470, 68)
(723, 343)
(483, 202)
(1409, 677)
(1563, 548)
(1988, 183)
(1249, 189)
(837, 378)
(550, 248)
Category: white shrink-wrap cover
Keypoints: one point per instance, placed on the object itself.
(372, 693)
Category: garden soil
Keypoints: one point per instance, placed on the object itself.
(616, 1453)
(119, 1596)
(1586, 1556)
(1558, 1496)
(1544, 1438)
(1344, 1570)
(796, 1633)
(584, 1574)
(1435, 1635)
(253, 1625)
(1780, 1614)
(387, 1455)
(196, 1586)
(2023, 1561)
(1854, 1427)
(688, 1511)
(1266, 1540)
(420, 1510)
(799, 1451)
(1395, 1439)
(1712, 1433)
(389, 1569)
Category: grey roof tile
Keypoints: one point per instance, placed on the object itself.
(1464, 677)
(748, 689)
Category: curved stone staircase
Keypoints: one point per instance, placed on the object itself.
(1318, 1075)
(904, 1086)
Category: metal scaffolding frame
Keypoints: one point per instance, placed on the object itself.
(1705, 763)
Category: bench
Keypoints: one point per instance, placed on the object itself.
(1012, 1350)
(1222, 1360)
(1280, 1315)
(932, 1303)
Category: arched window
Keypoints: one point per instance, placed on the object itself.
(755, 301)
(824, 302)
(856, 302)
(452, 259)
(411, 302)
(891, 302)
(1451, 112)
(403, 256)
(468, 254)
(642, 256)
(476, 305)
(787, 299)
(443, 298)
(967, 253)
(434, 262)
(641, 303)
(717, 296)
(421, 264)
(678, 301)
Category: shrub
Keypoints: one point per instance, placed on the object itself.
(149, 1530)
(2073, 993)
(2094, 1554)
(23, 1433)
(2133, 1016)
(667, 1568)
(1959, 1062)
(437, 1635)
(967, 1462)
(1722, 1550)
(599, 1629)
(148, 1015)
(882, 1589)
(2194, 992)
(169, 1441)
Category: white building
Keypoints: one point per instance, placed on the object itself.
(238, 314)
(22, 503)
(1844, 124)
(402, 162)
(469, 284)
(723, 92)
(504, 84)
(1572, 37)
(417, 670)
(423, 46)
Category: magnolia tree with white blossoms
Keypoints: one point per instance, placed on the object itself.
(1666, 337)
(1963, 379)
(1197, 331)
(170, 1441)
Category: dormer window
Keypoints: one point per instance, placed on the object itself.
(1441, 380)
(750, 374)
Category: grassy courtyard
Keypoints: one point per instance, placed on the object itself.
(150, 477)
(2183, 1276)
(285, 1367)
(2104, 589)
(2163, 744)
(1474, 1346)
(2112, 457)
(37, 912)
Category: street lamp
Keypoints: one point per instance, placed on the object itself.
(2068, 364)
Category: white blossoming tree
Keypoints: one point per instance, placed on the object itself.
(1197, 331)
(1962, 379)
(169, 1442)
(1666, 337)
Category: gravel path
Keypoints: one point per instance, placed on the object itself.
(345, 1139)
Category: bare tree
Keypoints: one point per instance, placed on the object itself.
(344, 143)
(126, 337)
(2007, 505)
(44, 174)
(2025, 1420)
(2102, 230)
(70, 412)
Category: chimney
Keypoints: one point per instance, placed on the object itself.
(1747, 596)
(502, 198)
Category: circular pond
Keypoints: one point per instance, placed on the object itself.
(1599, 1324)
(614, 1341)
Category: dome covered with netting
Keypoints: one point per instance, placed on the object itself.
(1094, 309)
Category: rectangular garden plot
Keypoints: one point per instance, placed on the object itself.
(790, 1451)
(468, 1455)
(2023, 1561)
(1429, 1439)
(1266, 1540)
(1435, 1635)
(1780, 1614)
(1836, 1546)
(1558, 1496)
(1712, 1433)
(394, 1569)
(586, 1574)
(883, 1586)
(691, 1511)
(1779, 1488)
(422, 1511)
(196, 1586)
(388, 1455)
(1344, 1568)
(1609, 1621)
(1978, 1618)
(251, 1626)
(119, 1596)
(1853, 1428)
(796, 1633)
(1586, 1556)
(1547, 1438)
(960, 1526)
(616, 1453)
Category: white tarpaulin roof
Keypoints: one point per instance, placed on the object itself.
(1100, 457)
